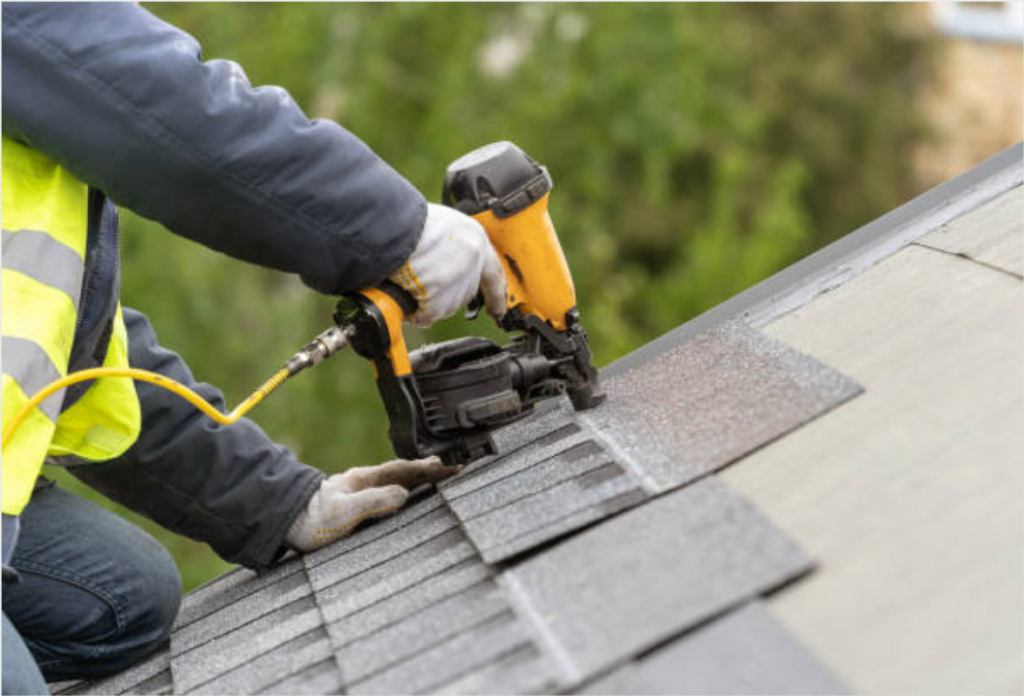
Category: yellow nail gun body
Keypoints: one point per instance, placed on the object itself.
(444, 399)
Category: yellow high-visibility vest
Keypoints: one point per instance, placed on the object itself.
(45, 230)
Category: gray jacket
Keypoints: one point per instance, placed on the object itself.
(124, 102)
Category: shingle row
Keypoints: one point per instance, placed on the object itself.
(685, 414)
(477, 590)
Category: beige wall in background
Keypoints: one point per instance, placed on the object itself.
(974, 104)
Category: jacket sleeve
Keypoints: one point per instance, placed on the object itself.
(228, 486)
(124, 102)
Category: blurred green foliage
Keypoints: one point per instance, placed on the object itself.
(695, 148)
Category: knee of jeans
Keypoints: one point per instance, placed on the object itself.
(161, 599)
(149, 611)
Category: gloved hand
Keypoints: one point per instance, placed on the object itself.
(453, 260)
(345, 500)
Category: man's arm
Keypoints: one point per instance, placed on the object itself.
(124, 102)
(228, 486)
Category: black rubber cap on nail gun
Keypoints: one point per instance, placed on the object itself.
(498, 177)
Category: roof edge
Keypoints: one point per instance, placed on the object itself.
(849, 256)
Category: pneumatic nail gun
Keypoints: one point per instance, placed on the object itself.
(445, 399)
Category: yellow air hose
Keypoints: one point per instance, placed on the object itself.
(153, 378)
(320, 348)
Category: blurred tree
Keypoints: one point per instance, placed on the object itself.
(695, 149)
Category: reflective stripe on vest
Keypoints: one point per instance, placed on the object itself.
(45, 218)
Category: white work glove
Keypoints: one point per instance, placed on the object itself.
(345, 500)
(453, 260)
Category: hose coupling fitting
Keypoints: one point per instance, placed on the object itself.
(319, 349)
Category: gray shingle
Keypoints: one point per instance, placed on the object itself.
(230, 588)
(625, 585)
(158, 685)
(244, 644)
(149, 676)
(539, 428)
(391, 575)
(510, 482)
(266, 670)
(744, 652)
(551, 512)
(523, 670)
(607, 505)
(449, 659)
(530, 441)
(320, 679)
(418, 632)
(688, 412)
(409, 516)
(707, 402)
(552, 475)
(391, 610)
(369, 555)
(243, 610)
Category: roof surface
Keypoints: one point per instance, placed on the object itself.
(910, 496)
(601, 552)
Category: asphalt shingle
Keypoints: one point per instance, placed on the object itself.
(657, 598)
(240, 612)
(523, 670)
(437, 528)
(377, 616)
(244, 644)
(408, 516)
(230, 588)
(552, 475)
(747, 651)
(151, 676)
(419, 632)
(289, 661)
(393, 574)
(453, 658)
(621, 587)
(317, 680)
(550, 512)
(691, 411)
(707, 402)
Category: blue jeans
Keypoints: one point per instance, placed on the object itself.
(96, 594)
